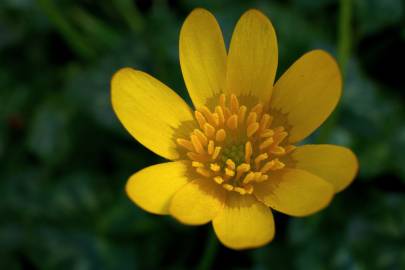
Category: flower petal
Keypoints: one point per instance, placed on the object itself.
(202, 56)
(153, 187)
(335, 164)
(307, 93)
(253, 57)
(244, 222)
(198, 202)
(294, 192)
(149, 110)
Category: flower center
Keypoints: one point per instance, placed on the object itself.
(235, 146)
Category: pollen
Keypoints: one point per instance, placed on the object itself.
(236, 145)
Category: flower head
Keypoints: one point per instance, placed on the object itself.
(235, 156)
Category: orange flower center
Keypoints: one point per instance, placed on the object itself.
(236, 146)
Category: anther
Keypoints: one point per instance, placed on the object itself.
(201, 136)
(260, 158)
(197, 164)
(232, 122)
(222, 100)
(278, 165)
(231, 165)
(277, 150)
(186, 144)
(267, 133)
(208, 115)
(204, 172)
(266, 143)
(248, 151)
(248, 178)
(267, 166)
(220, 135)
(257, 109)
(264, 122)
(209, 130)
(218, 179)
(210, 147)
(217, 150)
(200, 118)
(252, 117)
(215, 167)
(241, 169)
(220, 113)
(240, 190)
(241, 114)
(279, 137)
(197, 144)
(234, 104)
(251, 129)
(228, 187)
(229, 172)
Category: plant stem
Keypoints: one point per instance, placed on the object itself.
(211, 249)
(343, 55)
(345, 34)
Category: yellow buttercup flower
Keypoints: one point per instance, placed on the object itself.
(236, 156)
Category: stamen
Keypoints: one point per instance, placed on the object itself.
(220, 135)
(260, 158)
(258, 109)
(279, 137)
(278, 164)
(248, 151)
(265, 121)
(208, 115)
(215, 167)
(220, 114)
(229, 172)
(234, 104)
(240, 190)
(197, 144)
(228, 187)
(232, 122)
(266, 143)
(267, 133)
(210, 147)
(231, 164)
(215, 116)
(246, 155)
(217, 150)
(209, 130)
(203, 172)
(197, 164)
(277, 150)
(201, 136)
(267, 167)
(252, 118)
(218, 179)
(249, 177)
(200, 118)
(241, 169)
(241, 114)
(222, 100)
(251, 129)
(186, 144)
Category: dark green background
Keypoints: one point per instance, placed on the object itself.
(65, 158)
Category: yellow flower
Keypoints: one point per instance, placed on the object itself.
(235, 156)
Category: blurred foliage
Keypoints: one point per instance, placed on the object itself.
(64, 157)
